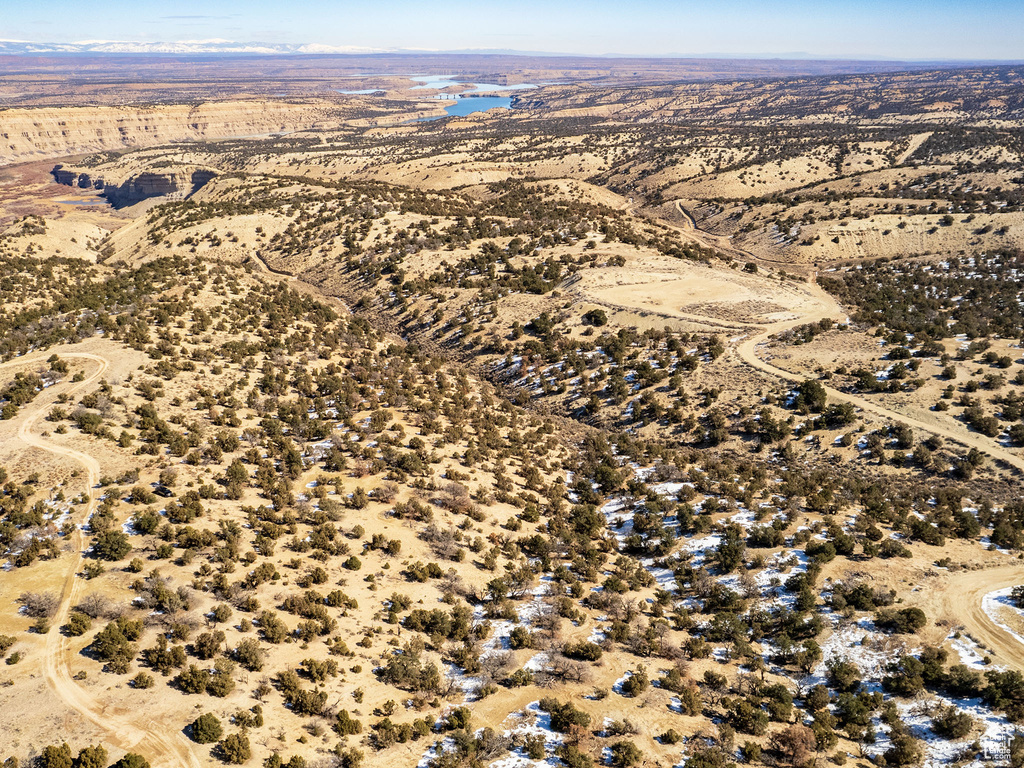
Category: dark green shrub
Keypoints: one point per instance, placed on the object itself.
(55, 757)
(206, 729)
(91, 757)
(234, 749)
(77, 625)
(625, 754)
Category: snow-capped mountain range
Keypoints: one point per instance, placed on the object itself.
(16, 47)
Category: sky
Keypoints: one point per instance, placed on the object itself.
(893, 29)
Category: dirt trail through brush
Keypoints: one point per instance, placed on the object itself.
(723, 243)
(142, 735)
(688, 223)
(747, 352)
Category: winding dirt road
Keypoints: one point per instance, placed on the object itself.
(688, 223)
(829, 308)
(959, 599)
(724, 243)
(131, 733)
(747, 352)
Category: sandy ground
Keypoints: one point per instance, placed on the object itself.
(124, 728)
(715, 297)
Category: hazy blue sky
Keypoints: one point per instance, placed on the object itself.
(907, 29)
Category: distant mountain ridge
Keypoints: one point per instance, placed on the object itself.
(23, 47)
(220, 46)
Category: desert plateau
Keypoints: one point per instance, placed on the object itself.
(509, 409)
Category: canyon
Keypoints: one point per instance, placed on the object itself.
(31, 134)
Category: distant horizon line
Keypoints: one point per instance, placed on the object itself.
(258, 48)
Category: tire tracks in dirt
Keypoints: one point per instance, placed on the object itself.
(959, 599)
(160, 745)
(747, 352)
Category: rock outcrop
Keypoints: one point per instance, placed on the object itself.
(28, 134)
(75, 178)
(173, 183)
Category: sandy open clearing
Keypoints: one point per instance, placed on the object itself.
(715, 297)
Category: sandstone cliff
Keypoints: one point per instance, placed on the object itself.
(29, 134)
(172, 183)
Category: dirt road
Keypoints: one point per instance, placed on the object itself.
(163, 747)
(747, 351)
(688, 223)
(958, 598)
(724, 244)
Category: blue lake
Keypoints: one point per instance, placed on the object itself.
(441, 82)
(464, 107)
(457, 105)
